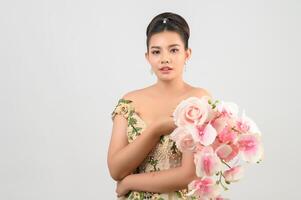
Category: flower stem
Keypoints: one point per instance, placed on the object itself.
(226, 164)
(220, 180)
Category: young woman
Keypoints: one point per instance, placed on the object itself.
(142, 158)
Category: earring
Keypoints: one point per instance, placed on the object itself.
(185, 67)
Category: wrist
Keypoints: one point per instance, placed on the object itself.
(126, 182)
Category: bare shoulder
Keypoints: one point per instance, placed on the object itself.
(136, 95)
(131, 95)
(199, 92)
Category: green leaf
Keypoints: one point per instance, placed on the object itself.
(141, 195)
(132, 120)
(179, 195)
(125, 101)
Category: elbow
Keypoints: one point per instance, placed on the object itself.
(115, 176)
(116, 173)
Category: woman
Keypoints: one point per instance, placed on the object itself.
(142, 158)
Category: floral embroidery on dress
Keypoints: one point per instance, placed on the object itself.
(164, 155)
(126, 109)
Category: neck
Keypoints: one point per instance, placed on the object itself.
(172, 87)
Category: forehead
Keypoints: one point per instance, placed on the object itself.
(164, 39)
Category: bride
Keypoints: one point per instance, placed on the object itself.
(142, 158)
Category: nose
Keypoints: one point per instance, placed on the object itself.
(164, 59)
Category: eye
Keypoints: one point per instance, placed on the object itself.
(174, 50)
(155, 52)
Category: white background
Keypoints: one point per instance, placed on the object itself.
(64, 65)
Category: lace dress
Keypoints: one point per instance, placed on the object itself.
(164, 155)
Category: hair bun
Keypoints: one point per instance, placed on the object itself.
(168, 21)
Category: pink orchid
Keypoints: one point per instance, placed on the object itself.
(204, 134)
(221, 198)
(250, 147)
(219, 123)
(222, 121)
(228, 109)
(227, 152)
(245, 124)
(227, 135)
(207, 162)
(204, 188)
(218, 138)
(234, 174)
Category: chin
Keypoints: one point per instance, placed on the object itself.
(169, 78)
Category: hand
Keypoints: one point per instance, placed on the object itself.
(164, 125)
(121, 188)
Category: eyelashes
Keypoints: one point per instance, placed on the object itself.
(157, 52)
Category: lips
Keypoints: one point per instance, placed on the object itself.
(165, 68)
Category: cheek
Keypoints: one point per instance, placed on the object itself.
(180, 59)
(154, 60)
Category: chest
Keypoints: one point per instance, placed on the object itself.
(151, 110)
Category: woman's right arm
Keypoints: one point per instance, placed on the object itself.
(124, 157)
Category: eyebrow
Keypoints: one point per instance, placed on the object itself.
(158, 47)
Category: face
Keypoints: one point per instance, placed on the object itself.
(166, 49)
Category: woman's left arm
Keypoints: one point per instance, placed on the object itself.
(161, 181)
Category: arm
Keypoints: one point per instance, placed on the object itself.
(124, 158)
(161, 181)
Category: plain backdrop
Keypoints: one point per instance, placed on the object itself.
(64, 65)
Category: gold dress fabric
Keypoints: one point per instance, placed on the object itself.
(164, 155)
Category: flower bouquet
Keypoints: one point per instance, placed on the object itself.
(221, 141)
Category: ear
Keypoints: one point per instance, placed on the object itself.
(146, 56)
(188, 53)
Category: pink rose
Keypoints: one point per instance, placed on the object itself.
(192, 110)
(186, 143)
(183, 139)
(234, 174)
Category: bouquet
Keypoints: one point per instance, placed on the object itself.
(221, 140)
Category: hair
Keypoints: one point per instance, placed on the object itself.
(174, 22)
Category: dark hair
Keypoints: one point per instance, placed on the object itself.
(168, 21)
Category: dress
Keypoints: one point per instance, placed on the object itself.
(164, 155)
